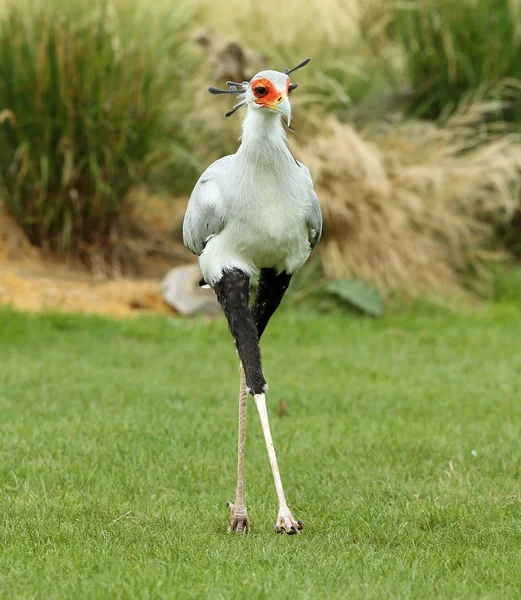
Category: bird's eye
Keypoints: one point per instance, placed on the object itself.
(261, 91)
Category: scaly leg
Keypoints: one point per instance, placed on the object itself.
(272, 287)
(233, 293)
(285, 520)
(239, 521)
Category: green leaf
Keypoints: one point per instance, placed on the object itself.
(361, 295)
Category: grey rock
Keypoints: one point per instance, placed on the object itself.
(180, 289)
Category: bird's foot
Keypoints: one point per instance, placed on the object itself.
(239, 520)
(286, 522)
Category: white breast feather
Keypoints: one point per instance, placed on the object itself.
(264, 201)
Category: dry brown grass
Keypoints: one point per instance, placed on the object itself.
(408, 205)
(352, 54)
(288, 29)
(31, 280)
(413, 206)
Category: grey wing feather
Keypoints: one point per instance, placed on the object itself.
(314, 220)
(203, 219)
(314, 214)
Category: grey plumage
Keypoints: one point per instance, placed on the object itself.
(202, 219)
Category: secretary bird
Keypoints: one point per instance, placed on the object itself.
(252, 212)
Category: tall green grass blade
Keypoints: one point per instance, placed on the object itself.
(91, 86)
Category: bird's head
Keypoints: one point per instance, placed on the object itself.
(270, 90)
(267, 91)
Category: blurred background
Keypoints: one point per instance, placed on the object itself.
(408, 117)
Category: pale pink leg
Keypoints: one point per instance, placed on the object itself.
(285, 520)
(239, 520)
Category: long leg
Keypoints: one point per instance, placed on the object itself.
(272, 287)
(233, 293)
(285, 521)
(239, 520)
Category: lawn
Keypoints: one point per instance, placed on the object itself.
(400, 451)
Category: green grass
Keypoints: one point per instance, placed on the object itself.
(455, 51)
(400, 453)
(89, 91)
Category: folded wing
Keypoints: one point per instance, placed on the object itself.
(204, 215)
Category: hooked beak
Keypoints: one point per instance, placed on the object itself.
(282, 106)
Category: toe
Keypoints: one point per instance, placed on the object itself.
(287, 524)
(238, 520)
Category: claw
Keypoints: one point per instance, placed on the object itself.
(286, 523)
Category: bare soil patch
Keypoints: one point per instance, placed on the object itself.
(33, 280)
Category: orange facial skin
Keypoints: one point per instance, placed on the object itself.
(272, 98)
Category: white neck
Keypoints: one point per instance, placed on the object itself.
(263, 137)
